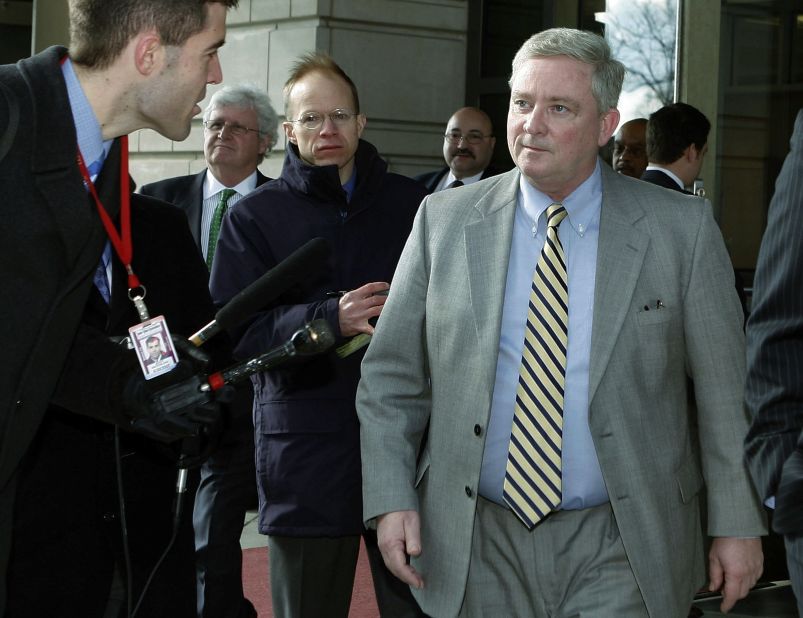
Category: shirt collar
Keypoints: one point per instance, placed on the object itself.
(669, 173)
(450, 178)
(87, 127)
(581, 205)
(212, 186)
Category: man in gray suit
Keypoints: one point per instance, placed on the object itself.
(495, 518)
(775, 360)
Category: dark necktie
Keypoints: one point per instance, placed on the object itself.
(214, 226)
(533, 484)
(100, 279)
(455, 184)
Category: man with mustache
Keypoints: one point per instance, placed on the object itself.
(630, 148)
(468, 146)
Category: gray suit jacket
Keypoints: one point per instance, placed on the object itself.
(433, 362)
(775, 349)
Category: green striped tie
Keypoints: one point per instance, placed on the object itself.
(532, 487)
(214, 226)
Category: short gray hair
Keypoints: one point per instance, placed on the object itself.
(606, 80)
(248, 96)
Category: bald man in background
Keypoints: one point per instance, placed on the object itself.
(630, 148)
(468, 146)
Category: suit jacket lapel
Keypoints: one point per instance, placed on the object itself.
(54, 162)
(487, 244)
(192, 203)
(620, 254)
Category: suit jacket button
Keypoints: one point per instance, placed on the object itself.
(477, 430)
(469, 493)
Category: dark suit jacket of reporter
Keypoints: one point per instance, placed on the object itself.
(51, 241)
(83, 492)
(431, 179)
(186, 192)
(774, 391)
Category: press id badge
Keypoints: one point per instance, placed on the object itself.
(154, 347)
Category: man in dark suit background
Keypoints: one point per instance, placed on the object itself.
(240, 127)
(774, 391)
(468, 146)
(677, 140)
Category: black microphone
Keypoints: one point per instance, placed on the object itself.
(301, 263)
(314, 338)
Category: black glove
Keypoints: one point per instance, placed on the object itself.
(172, 406)
(195, 450)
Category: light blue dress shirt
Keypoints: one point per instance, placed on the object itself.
(583, 486)
(90, 140)
(87, 127)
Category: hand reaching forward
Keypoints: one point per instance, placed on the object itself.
(399, 536)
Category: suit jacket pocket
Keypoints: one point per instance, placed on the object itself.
(689, 479)
(653, 316)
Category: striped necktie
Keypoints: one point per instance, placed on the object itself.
(214, 226)
(532, 487)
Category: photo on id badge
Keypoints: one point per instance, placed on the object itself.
(154, 347)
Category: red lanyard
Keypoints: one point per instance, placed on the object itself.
(120, 241)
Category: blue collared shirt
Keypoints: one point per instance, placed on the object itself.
(90, 138)
(350, 184)
(87, 127)
(583, 485)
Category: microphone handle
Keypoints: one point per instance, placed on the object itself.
(242, 371)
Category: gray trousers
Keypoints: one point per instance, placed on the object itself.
(572, 564)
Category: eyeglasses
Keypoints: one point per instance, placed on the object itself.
(314, 120)
(237, 130)
(472, 137)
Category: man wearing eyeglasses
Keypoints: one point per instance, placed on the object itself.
(468, 146)
(240, 127)
(333, 185)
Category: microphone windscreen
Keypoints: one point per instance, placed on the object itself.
(316, 338)
(301, 263)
